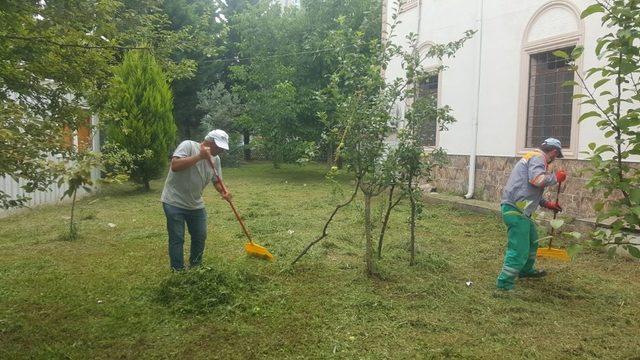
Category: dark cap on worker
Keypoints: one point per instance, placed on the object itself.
(554, 143)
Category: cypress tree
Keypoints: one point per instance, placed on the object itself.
(141, 106)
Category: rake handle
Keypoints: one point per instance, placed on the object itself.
(555, 214)
(235, 212)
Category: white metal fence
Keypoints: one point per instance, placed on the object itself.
(53, 195)
(13, 189)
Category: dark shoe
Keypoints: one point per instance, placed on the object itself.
(534, 274)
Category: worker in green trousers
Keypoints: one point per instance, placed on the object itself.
(526, 184)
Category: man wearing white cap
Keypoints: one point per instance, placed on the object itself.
(189, 174)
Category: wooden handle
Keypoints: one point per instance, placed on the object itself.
(555, 214)
(235, 212)
(244, 228)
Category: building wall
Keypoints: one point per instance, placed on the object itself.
(495, 58)
(492, 173)
(488, 78)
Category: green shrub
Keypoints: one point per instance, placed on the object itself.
(143, 123)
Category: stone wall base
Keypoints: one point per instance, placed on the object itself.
(492, 173)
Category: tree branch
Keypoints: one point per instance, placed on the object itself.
(53, 42)
(619, 131)
(635, 84)
(620, 243)
(584, 86)
(386, 218)
(326, 225)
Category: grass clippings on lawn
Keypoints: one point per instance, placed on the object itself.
(110, 294)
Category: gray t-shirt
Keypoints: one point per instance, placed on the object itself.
(527, 181)
(184, 188)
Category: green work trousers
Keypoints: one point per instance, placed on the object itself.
(522, 246)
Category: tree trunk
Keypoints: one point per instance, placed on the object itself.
(412, 260)
(72, 226)
(619, 133)
(330, 154)
(368, 252)
(146, 185)
(246, 136)
(385, 221)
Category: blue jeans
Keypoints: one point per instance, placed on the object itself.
(196, 223)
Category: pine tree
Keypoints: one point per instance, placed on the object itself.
(144, 124)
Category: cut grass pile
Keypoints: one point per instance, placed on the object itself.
(110, 293)
(203, 289)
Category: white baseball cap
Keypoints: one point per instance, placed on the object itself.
(219, 137)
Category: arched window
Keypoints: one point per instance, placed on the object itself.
(547, 108)
(430, 87)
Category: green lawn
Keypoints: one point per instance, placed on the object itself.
(97, 297)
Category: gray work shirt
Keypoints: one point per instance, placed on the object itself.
(527, 181)
(184, 188)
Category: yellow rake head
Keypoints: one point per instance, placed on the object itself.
(553, 254)
(258, 251)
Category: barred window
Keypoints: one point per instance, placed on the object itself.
(428, 130)
(550, 105)
(407, 4)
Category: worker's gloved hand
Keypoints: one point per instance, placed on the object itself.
(552, 205)
(561, 176)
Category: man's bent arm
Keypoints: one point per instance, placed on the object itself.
(538, 175)
(179, 164)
